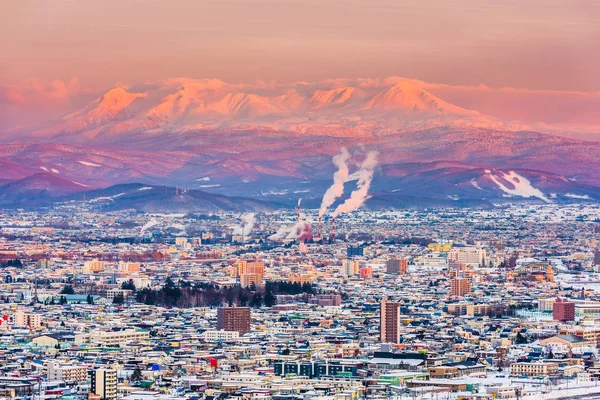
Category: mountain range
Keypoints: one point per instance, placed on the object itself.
(276, 145)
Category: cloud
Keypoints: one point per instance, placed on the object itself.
(34, 92)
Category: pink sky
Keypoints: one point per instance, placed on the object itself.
(537, 44)
(547, 49)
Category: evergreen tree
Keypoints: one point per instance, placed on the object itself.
(136, 376)
(119, 299)
(256, 301)
(269, 299)
(67, 289)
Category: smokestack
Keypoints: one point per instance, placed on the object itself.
(243, 232)
(320, 227)
(299, 209)
(333, 228)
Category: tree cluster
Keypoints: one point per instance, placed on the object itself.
(11, 263)
(187, 294)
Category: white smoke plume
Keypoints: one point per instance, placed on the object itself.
(339, 178)
(248, 222)
(299, 202)
(360, 194)
(290, 232)
(153, 222)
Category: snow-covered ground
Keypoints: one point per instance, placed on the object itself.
(522, 186)
(88, 164)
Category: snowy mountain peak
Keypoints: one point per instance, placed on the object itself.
(324, 98)
(117, 99)
(407, 96)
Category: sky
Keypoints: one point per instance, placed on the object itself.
(85, 46)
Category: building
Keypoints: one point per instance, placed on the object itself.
(30, 320)
(389, 322)
(568, 342)
(129, 267)
(67, 372)
(112, 293)
(563, 310)
(355, 251)
(396, 266)
(316, 369)
(471, 256)
(459, 286)
(250, 279)
(112, 337)
(234, 319)
(366, 272)
(534, 369)
(546, 304)
(212, 336)
(93, 266)
(104, 383)
(301, 278)
(241, 267)
(13, 387)
(326, 300)
(469, 309)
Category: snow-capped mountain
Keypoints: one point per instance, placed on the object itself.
(180, 106)
(276, 142)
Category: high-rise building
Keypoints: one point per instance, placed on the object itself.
(549, 273)
(389, 322)
(597, 257)
(471, 256)
(104, 383)
(355, 251)
(241, 267)
(234, 319)
(366, 272)
(459, 286)
(93, 266)
(30, 320)
(129, 267)
(563, 310)
(250, 279)
(397, 266)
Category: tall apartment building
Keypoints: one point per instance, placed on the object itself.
(366, 272)
(563, 310)
(250, 279)
(234, 319)
(472, 256)
(389, 321)
(129, 267)
(241, 267)
(66, 372)
(93, 266)
(397, 266)
(546, 304)
(30, 320)
(459, 286)
(104, 383)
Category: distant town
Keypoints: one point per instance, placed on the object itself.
(432, 303)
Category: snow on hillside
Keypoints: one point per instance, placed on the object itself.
(88, 164)
(521, 186)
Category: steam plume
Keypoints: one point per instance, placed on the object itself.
(339, 178)
(246, 226)
(291, 232)
(360, 194)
